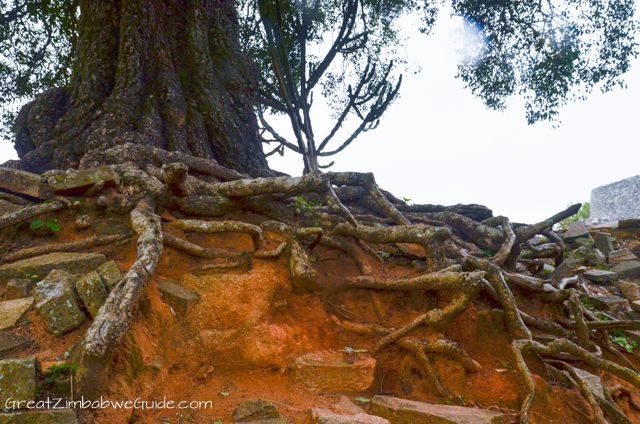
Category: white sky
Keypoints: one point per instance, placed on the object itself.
(438, 144)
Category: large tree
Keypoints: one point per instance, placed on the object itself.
(162, 74)
(162, 93)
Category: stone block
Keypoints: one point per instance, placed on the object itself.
(17, 381)
(600, 276)
(635, 305)
(50, 416)
(622, 255)
(23, 182)
(629, 290)
(177, 297)
(567, 268)
(402, 411)
(629, 223)
(575, 232)
(609, 302)
(78, 263)
(630, 269)
(328, 371)
(322, 416)
(12, 310)
(110, 274)
(56, 302)
(346, 407)
(617, 201)
(589, 255)
(255, 409)
(10, 341)
(603, 243)
(19, 288)
(92, 292)
(80, 181)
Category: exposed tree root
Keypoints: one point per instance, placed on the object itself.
(619, 391)
(368, 182)
(28, 212)
(503, 295)
(350, 250)
(452, 240)
(114, 317)
(554, 348)
(505, 250)
(213, 227)
(303, 276)
(429, 238)
(195, 250)
(65, 247)
(142, 154)
(419, 348)
(15, 199)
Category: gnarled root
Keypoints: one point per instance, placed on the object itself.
(213, 227)
(368, 181)
(65, 247)
(350, 250)
(429, 238)
(419, 348)
(503, 295)
(12, 218)
(303, 276)
(197, 251)
(554, 348)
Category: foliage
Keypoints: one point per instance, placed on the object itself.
(51, 224)
(288, 40)
(619, 338)
(583, 213)
(59, 371)
(37, 44)
(550, 52)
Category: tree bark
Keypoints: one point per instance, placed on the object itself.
(163, 74)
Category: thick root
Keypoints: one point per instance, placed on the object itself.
(114, 317)
(65, 247)
(197, 251)
(28, 212)
(213, 227)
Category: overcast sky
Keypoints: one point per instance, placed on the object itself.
(438, 144)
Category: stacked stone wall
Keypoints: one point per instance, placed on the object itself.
(615, 201)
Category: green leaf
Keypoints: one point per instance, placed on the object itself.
(52, 226)
(361, 399)
(36, 224)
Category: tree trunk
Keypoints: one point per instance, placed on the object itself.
(168, 74)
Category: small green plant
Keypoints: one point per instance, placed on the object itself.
(444, 402)
(51, 224)
(31, 276)
(588, 306)
(583, 213)
(361, 399)
(302, 203)
(27, 322)
(406, 200)
(489, 253)
(58, 371)
(619, 338)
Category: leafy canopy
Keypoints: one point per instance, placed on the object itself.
(37, 44)
(549, 51)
